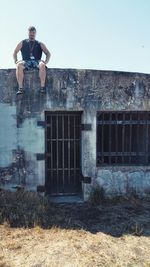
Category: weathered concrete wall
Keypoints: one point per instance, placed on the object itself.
(67, 89)
(124, 181)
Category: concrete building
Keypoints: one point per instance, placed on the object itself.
(91, 128)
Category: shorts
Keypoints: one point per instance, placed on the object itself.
(30, 64)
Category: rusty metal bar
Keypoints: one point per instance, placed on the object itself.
(63, 152)
(57, 152)
(102, 138)
(69, 148)
(74, 131)
(120, 153)
(124, 122)
(110, 118)
(137, 140)
(116, 127)
(130, 139)
(51, 151)
(147, 138)
(123, 136)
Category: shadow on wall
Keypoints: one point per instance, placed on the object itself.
(115, 217)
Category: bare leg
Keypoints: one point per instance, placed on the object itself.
(20, 74)
(42, 73)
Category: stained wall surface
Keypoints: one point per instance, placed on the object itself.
(22, 138)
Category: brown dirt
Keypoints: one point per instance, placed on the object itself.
(35, 233)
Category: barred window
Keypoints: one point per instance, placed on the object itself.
(123, 138)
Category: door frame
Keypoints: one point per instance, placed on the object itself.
(80, 112)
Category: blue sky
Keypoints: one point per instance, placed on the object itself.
(92, 34)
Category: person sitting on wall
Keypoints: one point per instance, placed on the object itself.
(31, 51)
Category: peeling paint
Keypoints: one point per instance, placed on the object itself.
(8, 133)
(31, 137)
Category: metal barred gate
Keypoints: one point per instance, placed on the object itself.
(63, 153)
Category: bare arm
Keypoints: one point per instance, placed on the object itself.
(17, 49)
(46, 52)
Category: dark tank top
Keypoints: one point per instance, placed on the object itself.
(31, 47)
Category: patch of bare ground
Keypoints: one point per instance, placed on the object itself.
(36, 233)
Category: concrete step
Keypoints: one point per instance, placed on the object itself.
(66, 199)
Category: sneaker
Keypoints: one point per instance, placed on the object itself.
(43, 90)
(20, 91)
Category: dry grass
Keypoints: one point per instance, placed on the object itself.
(113, 235)
(60, 247)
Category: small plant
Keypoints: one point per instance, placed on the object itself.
(97, 195)
(137, 229)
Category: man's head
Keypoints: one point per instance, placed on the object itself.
(32, 33)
